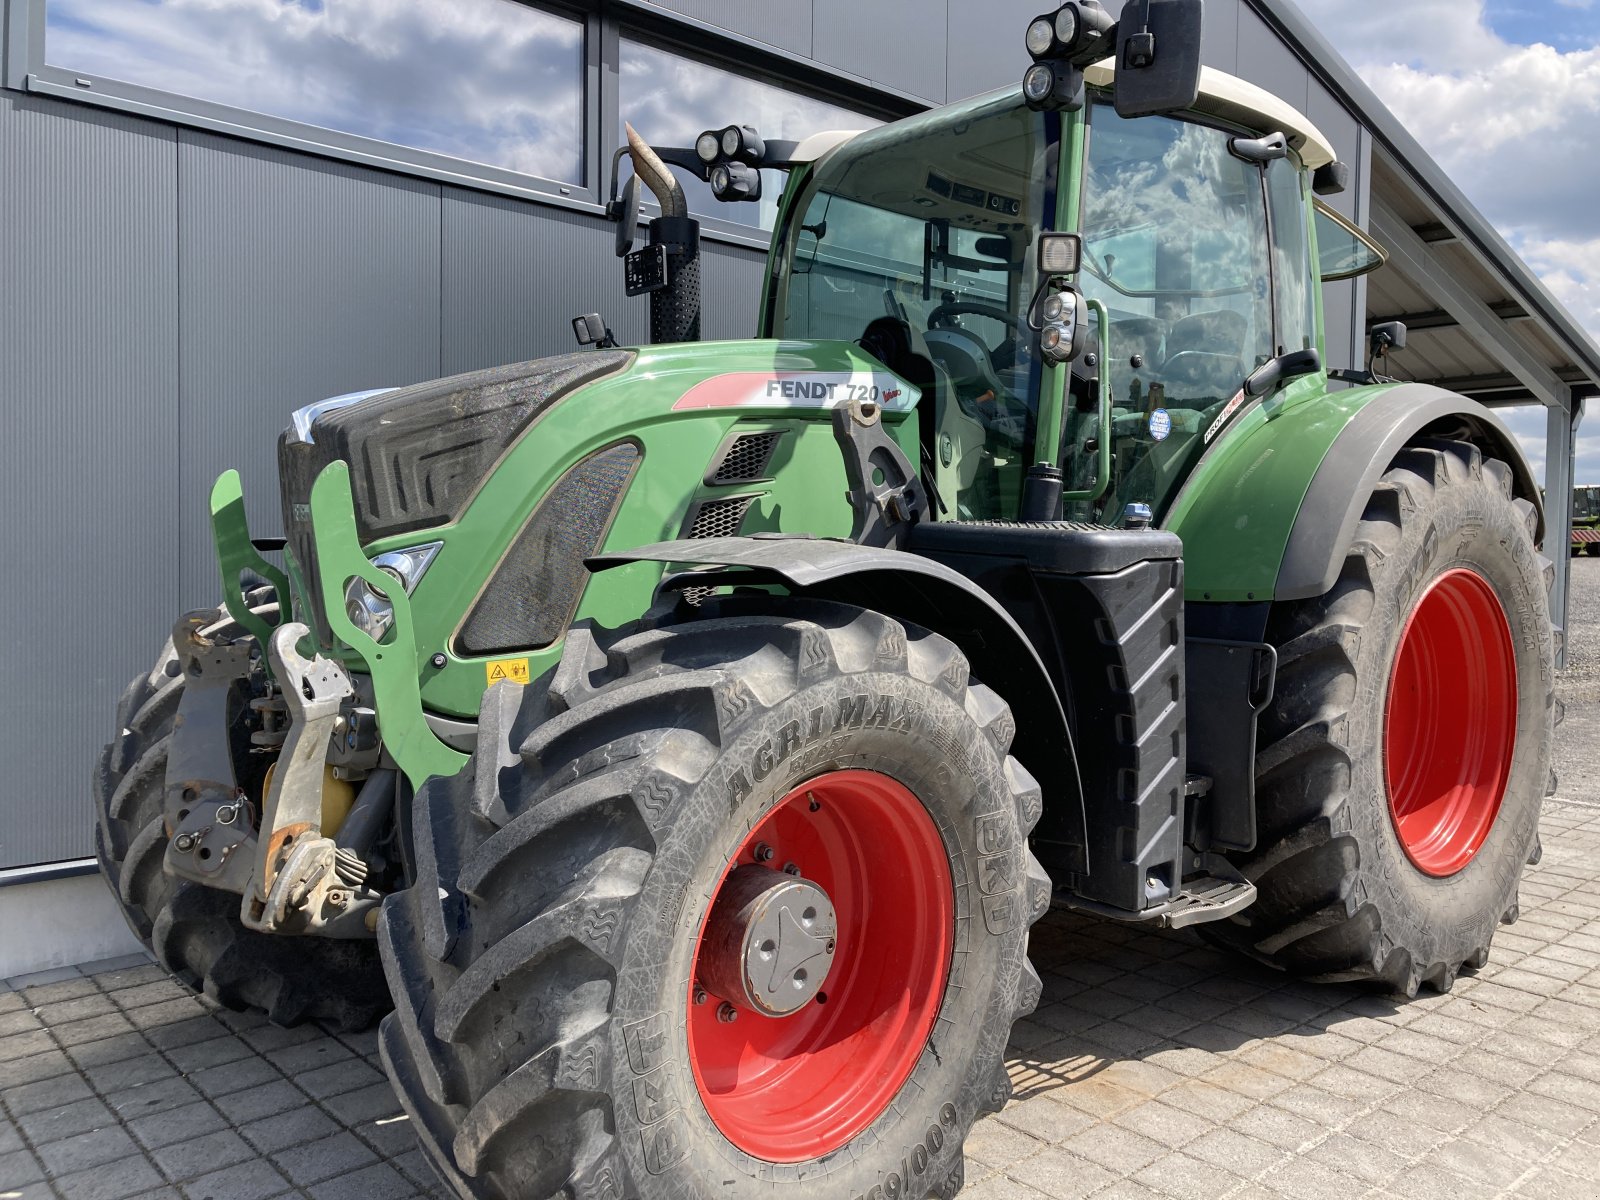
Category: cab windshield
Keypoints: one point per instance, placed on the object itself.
(916, 241)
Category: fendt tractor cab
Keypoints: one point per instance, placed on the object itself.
(694, 730)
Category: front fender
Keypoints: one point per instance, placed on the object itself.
(930, 594)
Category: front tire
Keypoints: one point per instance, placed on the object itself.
(560, 1029)
(1406, 753)
(194, 931)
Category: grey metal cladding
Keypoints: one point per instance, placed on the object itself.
(730, 287)
(978, 58)
(300, 278)
(89, 393)
(1344, 304)
(515, 275)
(1265, 61)
(786, 25)
(1219, 35)
(901, 43)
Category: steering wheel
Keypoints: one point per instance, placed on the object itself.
(1022, 331)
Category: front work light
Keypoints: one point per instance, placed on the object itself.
(1041, 37)
(735, 181)
(1053, 85)
(706, 147)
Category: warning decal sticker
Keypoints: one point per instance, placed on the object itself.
(507, 670)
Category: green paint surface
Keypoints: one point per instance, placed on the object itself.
(1237, 509)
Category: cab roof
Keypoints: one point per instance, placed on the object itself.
(1221, 95)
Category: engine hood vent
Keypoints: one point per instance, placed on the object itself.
(417, 453)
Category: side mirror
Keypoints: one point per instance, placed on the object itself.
(628, 217)
(1158, 57)
(590, 330)
(1390, 335)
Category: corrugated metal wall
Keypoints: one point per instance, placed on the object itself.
(168, 295)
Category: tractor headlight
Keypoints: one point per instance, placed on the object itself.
(730, 140)
(369, 608)
(1041, 37)
(1053, 307)
(732, 182)
(1066, 26)
(706, 147)
(1038, 83)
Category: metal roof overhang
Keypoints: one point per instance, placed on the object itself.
(1480, 322)
(1488, 326)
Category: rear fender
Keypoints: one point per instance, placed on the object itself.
(1270, 510)
(1358, 458)
(925, 593)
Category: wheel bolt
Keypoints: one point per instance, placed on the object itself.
(791, 869)
(727, 1014)
(763, 852)
(699, 995)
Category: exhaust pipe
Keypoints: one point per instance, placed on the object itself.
(674, 309)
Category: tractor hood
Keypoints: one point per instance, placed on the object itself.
(417, 453)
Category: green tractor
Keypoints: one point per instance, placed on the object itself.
(681, 739)
(1586, 519)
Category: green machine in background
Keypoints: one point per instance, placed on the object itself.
(1586, 518)
(682, 739)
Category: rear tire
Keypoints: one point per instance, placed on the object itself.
(194, 931)
(549, 1038)
(1386, 851)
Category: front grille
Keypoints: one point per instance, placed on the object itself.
(745, 458)
(719, 518)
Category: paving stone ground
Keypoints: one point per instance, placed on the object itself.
(1154, 1067)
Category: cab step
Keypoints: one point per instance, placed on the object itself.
(1214, 893)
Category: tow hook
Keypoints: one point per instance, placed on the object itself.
(298, 883)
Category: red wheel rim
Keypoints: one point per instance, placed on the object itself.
(1450, 724)
(788, 1089)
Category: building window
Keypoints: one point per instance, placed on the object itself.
(670, 99)
(490, 81)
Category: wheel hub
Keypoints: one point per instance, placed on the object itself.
(790, 1070)
(769, 942)
(1450, 722)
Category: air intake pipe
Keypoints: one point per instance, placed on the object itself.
(675, 308)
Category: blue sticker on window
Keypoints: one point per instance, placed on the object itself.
(1160, 424)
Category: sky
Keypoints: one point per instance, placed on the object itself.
(1505, 94)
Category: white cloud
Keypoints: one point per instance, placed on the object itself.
(1516, 126)
(487, 80)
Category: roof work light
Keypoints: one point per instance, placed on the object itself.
(1061, 44)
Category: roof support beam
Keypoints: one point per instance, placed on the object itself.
(1415, 260)
(1437, 318)
(1561, 432)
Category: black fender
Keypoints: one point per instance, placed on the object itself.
(1358, 458)
(926, 593)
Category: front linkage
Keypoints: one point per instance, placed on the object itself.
(307, 870)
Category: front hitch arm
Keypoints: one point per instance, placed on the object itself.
(297, 886)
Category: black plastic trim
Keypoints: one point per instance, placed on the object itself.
(1357, 460)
